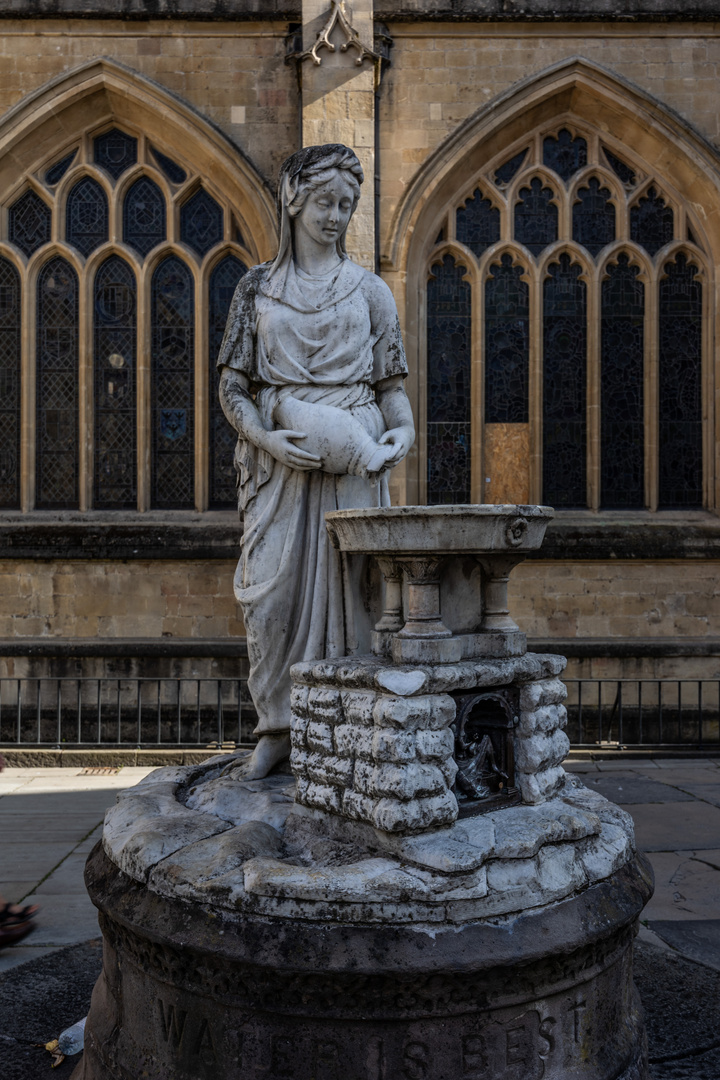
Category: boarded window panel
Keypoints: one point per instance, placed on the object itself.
(144, 216)
(223, 437)
(9, 386)
(564, 386)
(87, 216)
(57, 387)
(593, 217)
(536, 219)
(448, 384)
(622, 451)
(477, 223)
(680, 386)
(173, 386)
(507, 336)
(115, 338)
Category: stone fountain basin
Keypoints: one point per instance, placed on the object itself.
(480, 529)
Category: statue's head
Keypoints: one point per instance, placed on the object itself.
(312, 167)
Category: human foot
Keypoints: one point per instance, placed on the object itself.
(269, 752)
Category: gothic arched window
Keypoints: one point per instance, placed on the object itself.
(128, 312)
(10, 358)
(57, 484)
(223, 437)
(581, 385)
(172, 360)
(115, 383)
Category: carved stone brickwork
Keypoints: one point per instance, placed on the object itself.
(380, 758)
(387, 759)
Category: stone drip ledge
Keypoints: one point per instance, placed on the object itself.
(296, 866)
(381, 675)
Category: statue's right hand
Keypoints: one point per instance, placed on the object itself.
(281, 446)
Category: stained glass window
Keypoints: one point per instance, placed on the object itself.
(509, 169)
(593, 217)
(622, 352)
(174, 172)
(173, 385)
(87, 216)
(57, 387)
(477, 223)
(621, 170)
(201, 222)
(448, 384)
(9, 385)
(507, 337)
(680, 386)
(144, 216)
(536, 219)
(115, 483)
(651, 222)
(115, 151)
(56, 172)
(564, 385)
(29, 223)
(223, 437)
(564, 153)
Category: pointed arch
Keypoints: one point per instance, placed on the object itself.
(669, 166)
(573, 88)
(102, 92)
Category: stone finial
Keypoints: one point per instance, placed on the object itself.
(338, 17)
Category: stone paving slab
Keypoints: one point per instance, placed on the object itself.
(699, 940)
(682, 826)
(686, 887)
(50, 819)
(633, 788)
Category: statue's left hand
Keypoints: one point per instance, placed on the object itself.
(401, 439)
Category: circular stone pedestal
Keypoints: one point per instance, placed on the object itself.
(188, 992)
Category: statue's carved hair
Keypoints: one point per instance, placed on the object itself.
(311, 167)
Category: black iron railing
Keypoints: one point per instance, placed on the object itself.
(200, 712)
(644, 713)
(130, 712)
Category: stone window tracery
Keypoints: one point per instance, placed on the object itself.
(126, 264)
(585, 333)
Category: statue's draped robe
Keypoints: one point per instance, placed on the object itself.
(328, 339)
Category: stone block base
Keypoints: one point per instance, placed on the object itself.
(372, 742)
(186, 994)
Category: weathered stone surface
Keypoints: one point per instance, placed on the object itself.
(391, 815)
(540, 786)
(539, 752)
(213, 867)
(546, 718)
(235, 801)
(544, 692)
(439, 994)
(142, 830)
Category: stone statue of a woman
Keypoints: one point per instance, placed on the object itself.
(312, 368)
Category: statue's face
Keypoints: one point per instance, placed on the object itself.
(327, 210)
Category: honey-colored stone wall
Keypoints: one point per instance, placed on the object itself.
(663, 599)
(442, 73)
(233, 73)
(118, 599)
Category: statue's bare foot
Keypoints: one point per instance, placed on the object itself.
(269, 752)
